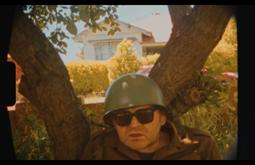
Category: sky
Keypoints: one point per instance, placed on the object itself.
(153, 18)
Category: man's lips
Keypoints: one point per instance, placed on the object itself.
(134, 135)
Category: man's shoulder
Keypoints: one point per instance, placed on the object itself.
(194, 132)
(207, 144)
(102, 135)
(98, 141)
(184, 131)
(197, 135)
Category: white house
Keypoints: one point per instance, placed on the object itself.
(100, 46)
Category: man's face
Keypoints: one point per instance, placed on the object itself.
(137, 135)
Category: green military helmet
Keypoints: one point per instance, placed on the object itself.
(131, 90)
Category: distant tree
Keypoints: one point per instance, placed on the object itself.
(66, 17)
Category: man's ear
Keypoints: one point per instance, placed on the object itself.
(162, 119)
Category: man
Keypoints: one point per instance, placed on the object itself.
(135, 108)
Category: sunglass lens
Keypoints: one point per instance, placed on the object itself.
(145, 116)
(123, 118)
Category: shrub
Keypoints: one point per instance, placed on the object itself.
(149, 59)
(218, 115)
(31, 141)
(88, 77)
(124, 60)
(224, 55)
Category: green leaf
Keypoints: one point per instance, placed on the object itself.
(99, 28)
(110, 32)
(62, 19)
(74, 9)
(102, 13)
(114, 9)
(84, 15)
(71, 28)
(103, 28)
(61, 36)
(41, 24)
(107, 21)
(52, 7)
(118, 29)
(54, 38)
(65, 44)
(94, 29)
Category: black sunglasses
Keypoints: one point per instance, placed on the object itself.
(124, 117)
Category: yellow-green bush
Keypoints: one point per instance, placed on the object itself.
(88, 77)
(218, 118)
(218, 115)
(30, 138)
(224, 56)
(124, 60)
(149, 59)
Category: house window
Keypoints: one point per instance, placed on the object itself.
(112, 48)
(98, 52)
(105, 50)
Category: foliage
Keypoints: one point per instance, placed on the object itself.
(218, 114)
(149, 59)
(224, 56)
(88, 77)
(219, 119)
(30, 139)
(124, 61)
(94, 76)
(65, 17)
(94, 113)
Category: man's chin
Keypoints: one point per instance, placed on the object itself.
(136, 145)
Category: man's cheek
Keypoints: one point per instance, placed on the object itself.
(123, 135)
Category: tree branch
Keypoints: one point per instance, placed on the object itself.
(184, 56)
(178, 14)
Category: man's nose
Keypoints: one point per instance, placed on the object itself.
(134, 122)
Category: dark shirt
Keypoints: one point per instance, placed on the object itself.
(145, 156)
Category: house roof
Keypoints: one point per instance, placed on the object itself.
(158, 23)
(79, 37)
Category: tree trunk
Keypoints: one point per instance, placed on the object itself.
(178, 14)
(196, 33)
(46, 84)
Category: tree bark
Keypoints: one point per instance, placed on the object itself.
(178, 15)
(46, 84)
(183, 57)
